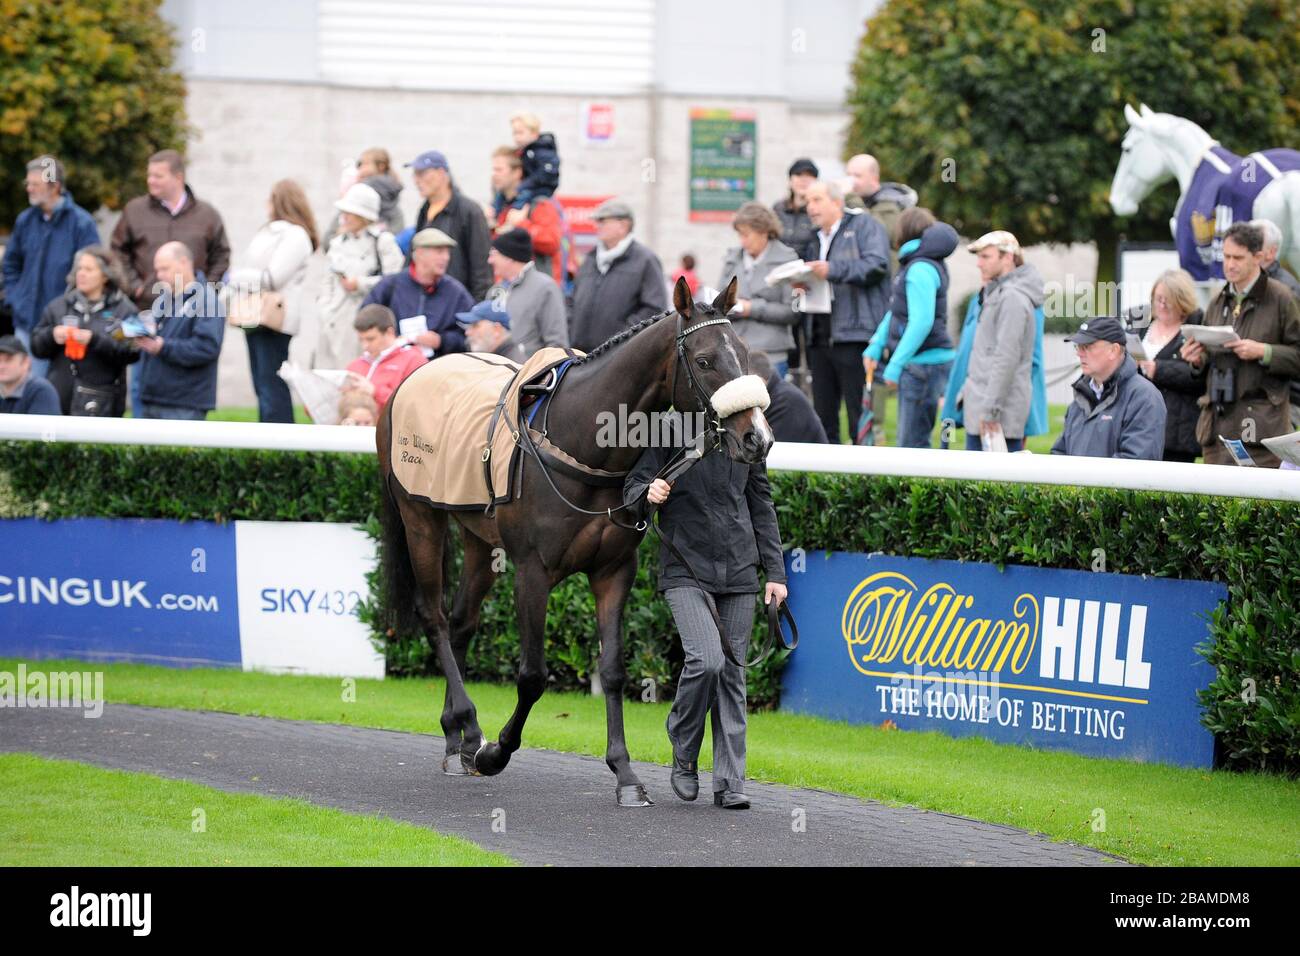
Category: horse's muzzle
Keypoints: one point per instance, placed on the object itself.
(748, 437)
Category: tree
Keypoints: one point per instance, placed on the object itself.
(91, 84)
(1021, 104)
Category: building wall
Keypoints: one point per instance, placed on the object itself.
(250, 134)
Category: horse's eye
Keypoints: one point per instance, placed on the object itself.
(702, 362)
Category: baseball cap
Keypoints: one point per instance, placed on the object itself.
(431, 238)
(488, 309)
(12, 345)
(999, 239)
(803, 166)
(1103, 329)
(430, 159)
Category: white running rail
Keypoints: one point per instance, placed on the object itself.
(1223, 481)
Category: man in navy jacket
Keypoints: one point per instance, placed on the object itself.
(850, 251)
(1116, 413)
(178, 372)
(425, 291)
(21, 392)
(38, 256)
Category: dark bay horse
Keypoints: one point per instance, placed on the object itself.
(679, 359)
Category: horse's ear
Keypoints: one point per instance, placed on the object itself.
(682, 301)
(726, 298)
(1132, 116)
(1146, 110)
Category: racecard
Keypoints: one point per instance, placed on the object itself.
(1095, 662)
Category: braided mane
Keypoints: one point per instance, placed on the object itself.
(619, 338)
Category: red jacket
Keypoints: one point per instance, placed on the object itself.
(543, 225)
(390, 369)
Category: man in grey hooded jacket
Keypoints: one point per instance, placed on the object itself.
(998, 388)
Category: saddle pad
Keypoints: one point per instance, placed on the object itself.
(440, 421)
(1223, 190)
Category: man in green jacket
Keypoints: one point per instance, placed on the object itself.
(1248, 384)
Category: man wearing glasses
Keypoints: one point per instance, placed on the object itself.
(1116, 413)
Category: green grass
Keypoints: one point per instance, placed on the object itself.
(63, 813)
(1154, 814)
(237, 414)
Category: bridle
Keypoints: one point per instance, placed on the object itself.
(706, 401)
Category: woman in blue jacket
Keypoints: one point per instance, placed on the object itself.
(915, 329)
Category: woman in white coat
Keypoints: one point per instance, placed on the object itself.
(361, 253)
(276, 261)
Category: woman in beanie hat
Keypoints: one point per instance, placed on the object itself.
(796, 228)
(536, 305)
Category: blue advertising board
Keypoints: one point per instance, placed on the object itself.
(278, 596)
(119, 589)
(1098, 663)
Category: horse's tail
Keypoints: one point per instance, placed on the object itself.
(396, 573)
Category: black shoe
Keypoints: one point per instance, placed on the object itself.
(731, 800)
(685, 778)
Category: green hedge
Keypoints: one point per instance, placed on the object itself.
(225, 485)
(1251, 546)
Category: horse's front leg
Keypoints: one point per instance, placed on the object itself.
(532, 589)
(611, 589)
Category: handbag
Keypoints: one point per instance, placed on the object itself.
(93, 401)
(249, 310)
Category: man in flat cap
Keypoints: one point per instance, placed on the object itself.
(424, 297)
(618, 284)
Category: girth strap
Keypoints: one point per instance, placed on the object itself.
(563, 462)
(491, 507)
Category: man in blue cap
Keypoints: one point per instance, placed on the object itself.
(1116, 413)
(21, 392)
(445, 207)
(487, 329)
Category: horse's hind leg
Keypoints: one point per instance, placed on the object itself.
(426, 530)
(532, 588)
(476, 579)
(611, 590)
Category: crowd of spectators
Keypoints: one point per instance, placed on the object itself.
(138, 324)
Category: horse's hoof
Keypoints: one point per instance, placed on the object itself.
(453, 767)
(490, 759)
(467, 762)
(633, 795)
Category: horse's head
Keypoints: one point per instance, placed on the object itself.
(1144, 164)
(711, 374)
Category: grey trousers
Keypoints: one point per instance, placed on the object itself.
(710, 684)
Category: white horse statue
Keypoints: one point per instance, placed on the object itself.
(1216, 187)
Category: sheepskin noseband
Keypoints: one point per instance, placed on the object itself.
(747, 391)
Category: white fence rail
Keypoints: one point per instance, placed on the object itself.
(1223, 481)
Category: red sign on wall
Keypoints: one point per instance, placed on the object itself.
(597, 123)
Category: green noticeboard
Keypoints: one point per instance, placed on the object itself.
(723, 149)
